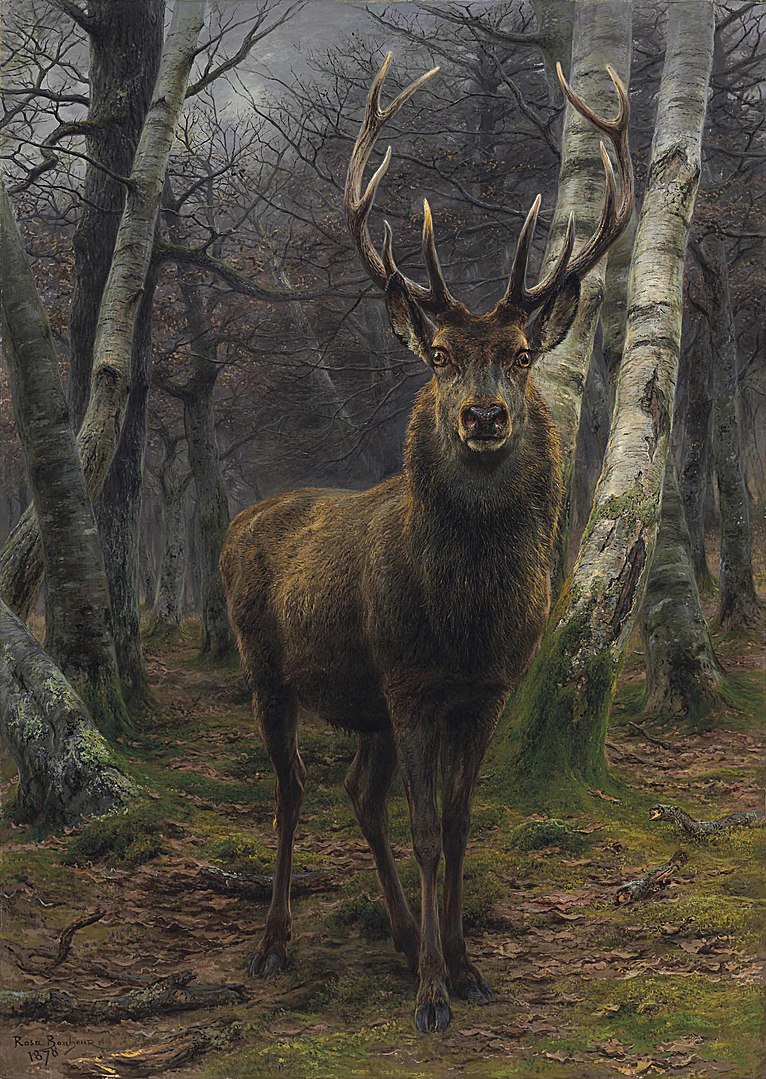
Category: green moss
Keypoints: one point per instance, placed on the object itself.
(351, 1054)
(536, 834)
(651, 1009)
(632, 507)
(239, 853)
(131, 837)
(363, 912)
(550, 748)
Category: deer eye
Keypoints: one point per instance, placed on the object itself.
(523, 358)
(439, 357)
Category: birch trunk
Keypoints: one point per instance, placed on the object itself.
(683, 677)
(558, 719)
(78, 623)
(602, 35)
(738, 606)
(66, 770)
(21, 560)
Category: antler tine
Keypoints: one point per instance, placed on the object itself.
(614, 214)
(358, 205)
(515, 294)
(441, 295)
(559, 270)
(388, 250)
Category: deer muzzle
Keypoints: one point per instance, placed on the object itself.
(485, 427)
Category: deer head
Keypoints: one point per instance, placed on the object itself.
(481, 362)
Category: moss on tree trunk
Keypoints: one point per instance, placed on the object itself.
(683, 676)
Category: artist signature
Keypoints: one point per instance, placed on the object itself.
(45, 1048)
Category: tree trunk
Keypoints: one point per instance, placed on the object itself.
(125, 54)
(683, 677)
(21, 560)
(166, 617)
(213, 508)
(78, 621)
(66, 771)
(557, 721)
(695, 453)
(146, 575)
(602, 35)
(555, 20)
(738, 606)
(118, 511)
(614, 310)
(124, 61)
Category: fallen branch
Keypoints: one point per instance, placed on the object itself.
(621, 751)
(701, 829)
(65, 940)
(651, 882)
(172, 1052)
(171, 994)
(655, 741)
(258, 886)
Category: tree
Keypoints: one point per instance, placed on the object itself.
(66, 769)
(601, 36)
(738, 606)
(78, 627)
(98, 438)
(556, 725)
(62, 761)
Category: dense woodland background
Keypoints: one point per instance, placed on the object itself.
(262, 359)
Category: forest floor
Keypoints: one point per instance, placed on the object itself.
(585, 986)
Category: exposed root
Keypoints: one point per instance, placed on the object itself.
(171, 994)
(701, 829)
(172, 1052)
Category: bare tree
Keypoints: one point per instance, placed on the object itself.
(557, 724)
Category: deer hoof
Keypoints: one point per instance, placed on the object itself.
(434, 1014)
(268, 963)
(474, 990)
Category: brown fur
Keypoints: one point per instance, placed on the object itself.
(406, 613)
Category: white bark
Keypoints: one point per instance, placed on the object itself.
(566, 700)
(602, 35)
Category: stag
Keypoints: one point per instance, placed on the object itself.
(409, 612)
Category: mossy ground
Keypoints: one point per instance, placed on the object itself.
(584, 987)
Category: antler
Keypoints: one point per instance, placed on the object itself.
(614, 215)
(436, 297)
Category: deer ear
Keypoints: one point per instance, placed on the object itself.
(555, 319)
(408, 321)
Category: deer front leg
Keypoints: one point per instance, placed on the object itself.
(463, 749)
(418, 748)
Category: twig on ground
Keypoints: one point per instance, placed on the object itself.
(258, 886)
(661, 742)
(172, 1052)
(621, 751)
(65, 940)
(651, 882)
(701, 829)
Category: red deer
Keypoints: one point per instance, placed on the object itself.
(409, 612)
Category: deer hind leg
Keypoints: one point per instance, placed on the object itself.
(463, 749)
(278, 717)
(368, 784)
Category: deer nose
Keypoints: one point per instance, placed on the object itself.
(485, 420)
